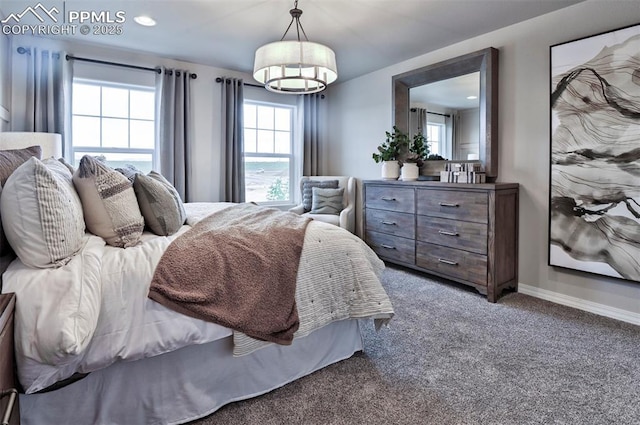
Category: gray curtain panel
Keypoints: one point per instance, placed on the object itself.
(173, 128)
(452, 134)
(417, 121)
(233, 139)
(311, 134)
(49, 77)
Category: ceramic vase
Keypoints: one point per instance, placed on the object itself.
(410, 171)
(390, 170)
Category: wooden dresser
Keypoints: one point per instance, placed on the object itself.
(464, 232)
(9, 409)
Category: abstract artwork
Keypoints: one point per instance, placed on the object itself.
(594, 210)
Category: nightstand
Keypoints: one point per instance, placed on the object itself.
(9, 409)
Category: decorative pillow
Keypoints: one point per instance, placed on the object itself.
(9, 161)
(327, 201)
(307, 187)
(109, 203)
(66, 164)
(42, 213)
(160, 203)
(130, 172)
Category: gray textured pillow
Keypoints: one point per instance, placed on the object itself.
(109, 203)
(130, 172)
(307, 187)
(327, 201)
(42, 213)
(9, 161)
(160, 203)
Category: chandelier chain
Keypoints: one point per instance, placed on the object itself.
(295, 16)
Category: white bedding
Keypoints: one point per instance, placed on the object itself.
(95, 311)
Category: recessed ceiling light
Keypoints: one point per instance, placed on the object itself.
(145, 21)
(472, 97)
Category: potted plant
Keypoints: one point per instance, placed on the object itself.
(433, 165)
(388, 153)
(417, 152)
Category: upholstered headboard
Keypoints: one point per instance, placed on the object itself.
(51, 143)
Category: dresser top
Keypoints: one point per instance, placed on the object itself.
(444, 185)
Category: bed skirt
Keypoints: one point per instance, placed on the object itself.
(189, 383)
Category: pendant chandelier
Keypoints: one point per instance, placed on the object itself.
(295, 67)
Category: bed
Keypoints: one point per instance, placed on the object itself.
(92, 346)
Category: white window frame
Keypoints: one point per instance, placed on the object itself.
(106, 150)
(292, 156)
(442, 137)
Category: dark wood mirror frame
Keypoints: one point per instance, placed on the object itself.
(486, 62)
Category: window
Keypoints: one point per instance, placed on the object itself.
(435, 137)
(269, 160)
(114, 120)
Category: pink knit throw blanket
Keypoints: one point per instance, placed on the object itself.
(238, 268)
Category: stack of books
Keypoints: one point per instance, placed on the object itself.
(463, 172)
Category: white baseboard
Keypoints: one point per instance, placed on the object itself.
(580, 304)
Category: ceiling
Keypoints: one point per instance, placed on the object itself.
(366, 35)
(454, 93)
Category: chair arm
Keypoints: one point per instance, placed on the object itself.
(348, 219)
(298, 209)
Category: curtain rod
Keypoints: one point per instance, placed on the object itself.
(124, 65)
(434, 113)
(26, 50)
(220, 79)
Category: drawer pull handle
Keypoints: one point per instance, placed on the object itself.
(446, 204)
(13, 394)
(447, 233)
(451, 263)
(389, 223)
(388, 246)
(384, 198)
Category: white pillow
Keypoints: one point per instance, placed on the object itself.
(109, 203)
(42, 214)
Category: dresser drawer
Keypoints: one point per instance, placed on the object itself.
(456, 234)
(390, 247)
(454, 204)
(452, 262)
(392, 223)
(390, 198)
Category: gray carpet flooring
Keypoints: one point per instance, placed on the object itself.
(451, 357)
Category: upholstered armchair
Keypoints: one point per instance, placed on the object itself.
(343, 216)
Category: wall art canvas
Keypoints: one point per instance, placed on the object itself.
(594, 217)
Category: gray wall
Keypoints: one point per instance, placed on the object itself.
(360, 112)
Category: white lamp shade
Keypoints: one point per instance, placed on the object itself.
(295, 66)
(51, 143)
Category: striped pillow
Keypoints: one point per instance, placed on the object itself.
(327, 201)
(43, 213)
(10, 160)
(308, 185)
(109, 203)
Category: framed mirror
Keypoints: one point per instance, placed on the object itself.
(428, 99)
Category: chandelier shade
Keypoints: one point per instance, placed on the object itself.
(295, 66)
